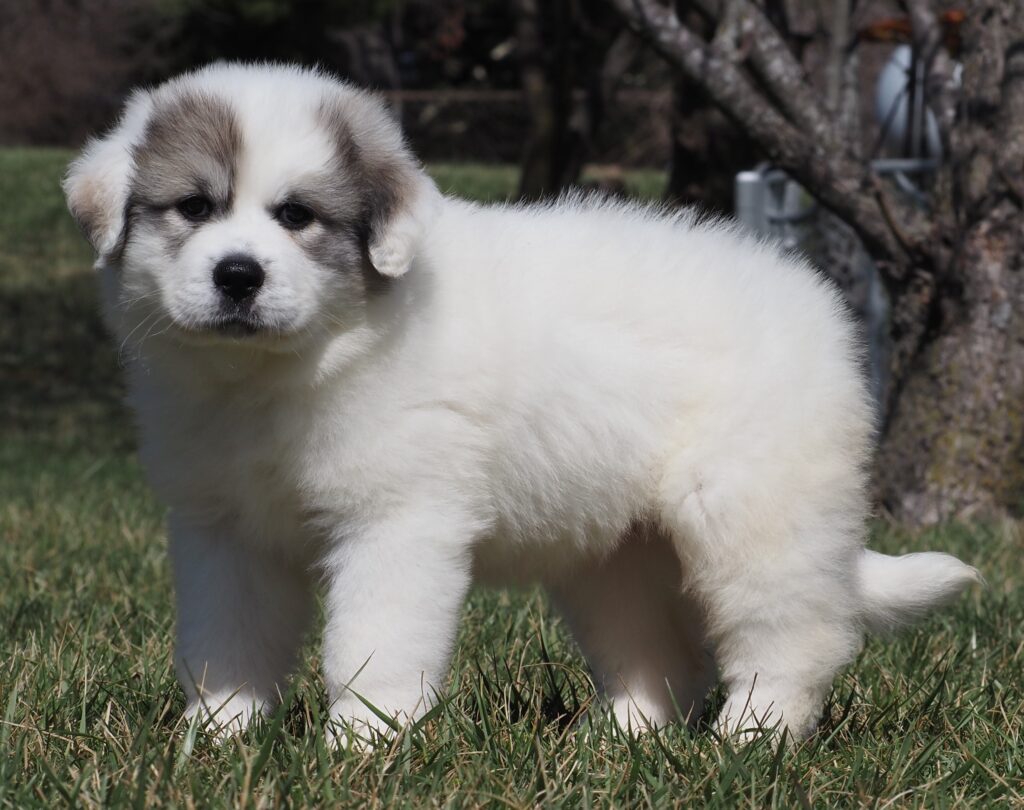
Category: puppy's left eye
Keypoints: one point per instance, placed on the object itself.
(294, 216)
(195, 208)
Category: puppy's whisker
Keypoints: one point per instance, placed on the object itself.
(138, 346)
(335, 320)
(128, 303)
(120, 350)
(150, 334)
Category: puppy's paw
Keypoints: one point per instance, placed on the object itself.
(742, 725)
(223, 717)
(355, 727)
(743, 720)
(635, 716)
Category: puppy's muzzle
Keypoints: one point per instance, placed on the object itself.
(238, 277)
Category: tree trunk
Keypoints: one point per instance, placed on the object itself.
(707, 151)
(572, 55)
(707, 148)
(954, 445)
(552, 157)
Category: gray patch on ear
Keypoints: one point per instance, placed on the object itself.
(190, 144)
(371, 160)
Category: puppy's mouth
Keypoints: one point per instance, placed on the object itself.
(237, 319)
(238, 325)
(231, 327)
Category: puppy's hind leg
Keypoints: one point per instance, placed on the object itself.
(643, 638)
(777, 580)
(241, 621)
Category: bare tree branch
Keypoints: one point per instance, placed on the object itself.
(928, 36)
(987, 150)
(843, 185)
(776, 66)
(843, 78)
(838, 34)
(1010, 121)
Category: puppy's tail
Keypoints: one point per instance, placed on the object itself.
(897, 591)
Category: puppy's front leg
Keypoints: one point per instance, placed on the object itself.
(241, 619)
(395, 591)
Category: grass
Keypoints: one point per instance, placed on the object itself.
(89, 706)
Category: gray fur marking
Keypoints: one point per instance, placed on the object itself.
(376, 179)
(190, 146)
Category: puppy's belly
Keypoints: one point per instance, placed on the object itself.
(547, 540)
(551, 514)
(501, 561)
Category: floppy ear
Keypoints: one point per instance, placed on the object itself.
(96, 185)
(399, 200)
(399, 218)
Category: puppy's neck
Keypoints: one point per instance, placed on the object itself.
(209, 367)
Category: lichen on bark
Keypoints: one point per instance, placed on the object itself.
(954, 446)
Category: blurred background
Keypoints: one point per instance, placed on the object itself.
(881, 139)
(550, 86)
(481, 81)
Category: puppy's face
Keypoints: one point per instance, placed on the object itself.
(254, 205)
(238, 231)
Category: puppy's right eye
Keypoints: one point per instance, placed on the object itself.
(294, 216)
(195, 208)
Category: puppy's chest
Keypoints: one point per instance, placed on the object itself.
(240, 469)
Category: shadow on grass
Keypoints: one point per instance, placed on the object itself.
(60, 387)
(60, 384)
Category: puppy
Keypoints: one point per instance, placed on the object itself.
(344, 378)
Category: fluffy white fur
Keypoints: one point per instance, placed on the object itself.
(661, 420)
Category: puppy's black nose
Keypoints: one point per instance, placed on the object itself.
(238, 277)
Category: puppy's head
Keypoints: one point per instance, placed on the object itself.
(262, 205)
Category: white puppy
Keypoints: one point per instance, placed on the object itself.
(342, 376)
